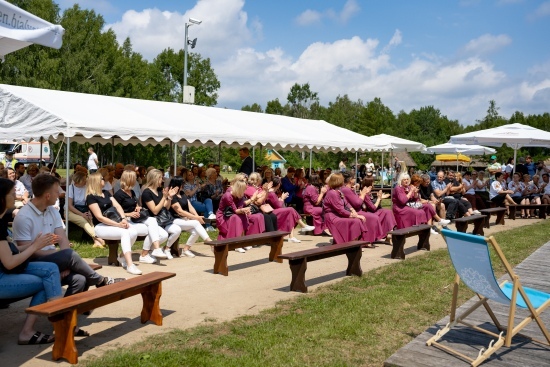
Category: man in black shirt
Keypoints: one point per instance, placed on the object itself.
(247, 165)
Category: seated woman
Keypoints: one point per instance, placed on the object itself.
(21, 193)
(498, 194)
(459, 186)
(233, 216)
(287, 218)
(79, 213)
(19, 278)
(469, 193)
(156, 199)
(187, 217)
(375, 231)
(430, 212)
(156, 235)
(267, 176)
(481, 186)
(192, 188)
(531, 193)
(213, 189)
(99, 201)
(313, 197)
(341, 219)
(517, 186)
(255, 187)
(387, 220)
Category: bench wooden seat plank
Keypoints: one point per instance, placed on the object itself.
(63, 312)
(478, 220)
(499, 211)
(298, 261)
(399, 236)
(541, 207)
(222, 247)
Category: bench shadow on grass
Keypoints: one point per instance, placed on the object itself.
(409, 250)
(86, 344)
(315, 281)
(245, 265)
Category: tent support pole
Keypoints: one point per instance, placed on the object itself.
(382, 171)
(220, 153)
(175, 158)
(356, 170)
(41, 147)
(310, 160)
(67, 183)
(113, 150)
(254, 159)
(515, 154)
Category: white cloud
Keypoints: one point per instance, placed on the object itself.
(395, 41)
(486, 44)
(542, 11)
(309, 16)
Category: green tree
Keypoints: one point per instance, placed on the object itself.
(253, 108)
(275, 107)
(300, 99)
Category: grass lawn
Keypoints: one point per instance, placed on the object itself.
(356, 322)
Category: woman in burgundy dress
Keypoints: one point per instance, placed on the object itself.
(373, 224)
(404, 198)
(232, 222)
(313, 197)
(387, 220)
(255, 186)
(287, 218)
(342, 220)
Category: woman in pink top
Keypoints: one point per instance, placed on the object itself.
(387, 220)
(313, 197)
(403, 194)
(341, 219)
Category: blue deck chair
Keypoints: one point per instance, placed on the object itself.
(472, 262)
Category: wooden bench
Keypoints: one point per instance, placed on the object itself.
(113, 250)
(298, 261)
(399, 236)
(541, 207)
(499, 213)
(5, 303)
(478, 220)
(222, 247)
(63, 312)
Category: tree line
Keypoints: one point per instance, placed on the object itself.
(92, 61)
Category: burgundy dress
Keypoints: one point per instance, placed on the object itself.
(235, 225)
(311, 195)
(256, 222)
(373, 221)
(386, 216)
(405, 215)
(337, 220)
(286, 217)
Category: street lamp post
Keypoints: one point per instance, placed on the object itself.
(187, 25)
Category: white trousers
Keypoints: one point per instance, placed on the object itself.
(151, 229)
(127, 236)
(174, 232)
(195, 229)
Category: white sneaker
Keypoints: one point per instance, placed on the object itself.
(147, 259)
(477, 212)
(241, 250)
(210, 229)
(188, 253)
(122, 261)
(444, 222)
(158, 253)
(433, 231)
(307, 229)
(168, 254)
(248, 248)
(132, 269)
(294, 240)
(212, 216)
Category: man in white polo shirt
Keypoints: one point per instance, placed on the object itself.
(39, 216)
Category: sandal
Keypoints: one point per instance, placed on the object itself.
(38, 338)
(81, 332)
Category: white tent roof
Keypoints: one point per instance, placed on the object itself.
(19, 29)
(384, 142)
(514, 135)
(31, 113)
(450, 148)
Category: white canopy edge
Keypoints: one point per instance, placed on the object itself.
(515, 136)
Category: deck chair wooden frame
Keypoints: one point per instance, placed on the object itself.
(471, 259)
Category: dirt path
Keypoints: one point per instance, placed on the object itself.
(196, 296)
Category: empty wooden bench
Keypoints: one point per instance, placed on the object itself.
(399, 236)
(222, 247)
(498, 211)
(63, 312)
(298, 261)
(477, 220)
(5, 303)
(516, 208)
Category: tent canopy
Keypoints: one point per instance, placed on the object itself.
(32, 113)
(19, 29)
(385, 143)
(450, 148)
(514, 135)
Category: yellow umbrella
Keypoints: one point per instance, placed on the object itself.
(452, 158)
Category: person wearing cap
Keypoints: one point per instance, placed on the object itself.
(9, 161)
(494, 167)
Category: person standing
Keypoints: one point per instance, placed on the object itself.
(247, 165)
(9, 161)
(92, 161)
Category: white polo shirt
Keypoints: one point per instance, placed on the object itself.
(30, 221)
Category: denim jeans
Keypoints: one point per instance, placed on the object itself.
(40, 280)
(205, 208)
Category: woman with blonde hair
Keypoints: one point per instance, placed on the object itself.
(79, 213)
(127, 199)
(232, 215)
(156, 199)
(99, 201)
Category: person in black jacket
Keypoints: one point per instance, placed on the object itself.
(247, 165)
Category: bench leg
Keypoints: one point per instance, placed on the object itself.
(175, 249)
(500, 218)
(488, 220)
(424, 240)
(113, 252)
(354, 262)
(461, 227)
(276, 250)
(542, 213)
(512, 211)
(220, 260)
(64, 345)
(478, 226)
(397, 250)
(298, 269)
(151, 306)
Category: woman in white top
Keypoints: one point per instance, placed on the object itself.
(21, 193)
(475, 200)
(509, 169)
(370, 166)
(498, 194)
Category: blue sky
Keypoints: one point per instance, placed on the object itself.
(454, 55)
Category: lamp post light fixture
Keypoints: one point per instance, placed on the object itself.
(191, 22)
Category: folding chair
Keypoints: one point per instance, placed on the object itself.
(472, 262)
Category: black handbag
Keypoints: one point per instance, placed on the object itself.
(143, 216)
(254, 209)
(113, 214)
(19, 268)
(164, 218)
(228, 211)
